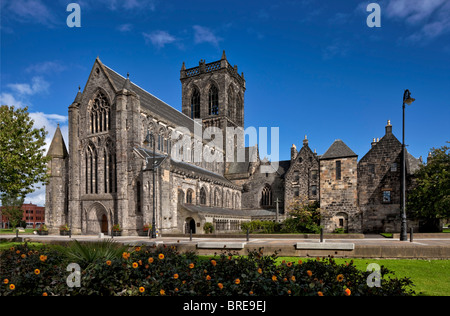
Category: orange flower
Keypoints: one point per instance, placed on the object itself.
(289, 292)
(293, 278)
(289, 264)
(162, 292)
(176, 289)
(18, 251)
(150, 260)
(12, 287)
(274, 278)
(175, 276)
(309, 273)
(191, 266)
(161, 256)
(319, 293)
(126, 255)
(135, 265)
(147, 266)
(23, 256)
(12, 248)
(213, 262)
(285, 280)
(44, 294)
(208, 278)
(348, 292)
(142, 289)
(251, 292)
(42, 258)
(300, 262)
(340, 278)
(220, 285)
(108, 262)
(37, 272)
(260, 271)
(137, 249)
(5, 281)
(237, 281)
(140, 262)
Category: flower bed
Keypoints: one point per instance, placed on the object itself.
(163, 271)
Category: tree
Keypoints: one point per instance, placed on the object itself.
(305, 216)
(429, 201)
(22, 159)
(12, 209)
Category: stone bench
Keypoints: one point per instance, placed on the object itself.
(324, 246)
(220, 245)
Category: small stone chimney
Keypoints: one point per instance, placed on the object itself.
(388, 128)
(293, 152)
(305, 141)
(374, 142)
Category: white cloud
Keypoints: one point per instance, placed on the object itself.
(431, 18)
(9, 99)
(47, 67)
(28, 11)
(159, 38)
(205, 35)
(125, 27)
(38, 85)
(129, 4)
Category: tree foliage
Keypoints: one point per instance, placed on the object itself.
(22, 158)
(430, 199)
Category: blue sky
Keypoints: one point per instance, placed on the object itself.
(312, 67)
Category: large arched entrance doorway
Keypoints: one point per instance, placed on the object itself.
(97, 220)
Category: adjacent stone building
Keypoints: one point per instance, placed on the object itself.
(118, 132)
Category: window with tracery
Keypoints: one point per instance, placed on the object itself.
(91, 165)
(100, 114)
(266, 196)
(202, 196)
(213, 101)
(189, 194)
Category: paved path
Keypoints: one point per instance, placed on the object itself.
(372, 246)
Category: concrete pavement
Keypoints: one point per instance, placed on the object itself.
(369, 246)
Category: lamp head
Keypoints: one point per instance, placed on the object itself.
(407, 98)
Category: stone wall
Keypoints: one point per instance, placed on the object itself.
(338, 197)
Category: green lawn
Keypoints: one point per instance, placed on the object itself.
(430, 277)
(28, 231)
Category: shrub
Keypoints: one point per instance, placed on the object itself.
(163, 271)
(208, 228)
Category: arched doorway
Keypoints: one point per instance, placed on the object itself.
(104, 228)
(97, 220)
(190, 226)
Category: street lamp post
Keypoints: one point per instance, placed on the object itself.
(403, 233)
(150, 139)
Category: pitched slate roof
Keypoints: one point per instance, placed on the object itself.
(151, 102)
(201, 209)
(338, 150)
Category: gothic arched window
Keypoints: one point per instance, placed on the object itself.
(213, 100)
(91, 175)
(239, 111)
(195, 104)
(100, 114)
(231, 106)
(266, 196)
(202, 196)
(189, 194)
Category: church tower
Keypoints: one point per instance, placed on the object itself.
(214, 93)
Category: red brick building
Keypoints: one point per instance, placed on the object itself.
(33, 215)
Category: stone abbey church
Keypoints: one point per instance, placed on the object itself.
(105, 176)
